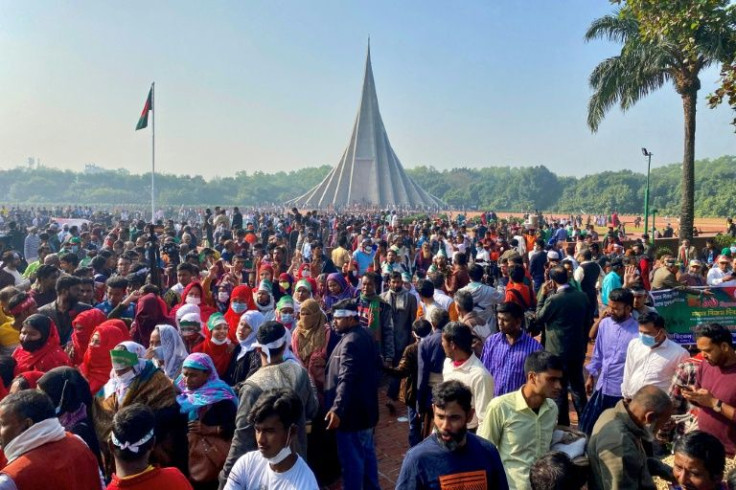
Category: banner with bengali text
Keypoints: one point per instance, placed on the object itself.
(683, 312)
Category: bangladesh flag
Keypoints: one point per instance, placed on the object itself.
(143, 121)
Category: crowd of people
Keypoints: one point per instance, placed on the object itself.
(248, 350)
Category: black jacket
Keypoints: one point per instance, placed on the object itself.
(351, 387)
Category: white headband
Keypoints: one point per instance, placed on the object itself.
(276, 344)
(344, 313)
(131, 446)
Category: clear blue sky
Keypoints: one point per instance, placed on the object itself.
(275, 85)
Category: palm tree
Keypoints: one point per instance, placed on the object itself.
(646, 65)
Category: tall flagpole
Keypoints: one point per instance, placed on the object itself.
(153, 153)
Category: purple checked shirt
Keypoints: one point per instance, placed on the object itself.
(609, 354)
(505, 362)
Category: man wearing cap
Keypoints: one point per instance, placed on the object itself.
(351, 393)
(274, 373)
(723, 274)
(694, 275)
(665, 278)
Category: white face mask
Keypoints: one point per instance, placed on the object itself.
(283, 454)
(219, 342)
(193, 300)
(126, 376)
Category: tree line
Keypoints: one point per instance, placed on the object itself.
(498, 188)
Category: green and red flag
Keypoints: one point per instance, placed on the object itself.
(143, 121)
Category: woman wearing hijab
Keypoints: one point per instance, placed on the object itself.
(222, 298)
(97, 364)
(265, 302)
(302, 292)
(167, 350)
(217, 345)
(286, 283)
(191, 331)
(209, 404)
(241, 300)
(310, 341)
(25, 381)
(338, 289)
(310, 344)
(194, 294)
(69, 392)
(84, 325)
(39, 347)
(246, 360)
(137, 380)
(149, 312)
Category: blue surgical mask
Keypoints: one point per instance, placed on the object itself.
(238, 307)
(287, 317)
(648, 340)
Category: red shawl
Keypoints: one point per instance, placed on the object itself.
(48, 357)
(149, 312)
(97, 364)
(220, 354)
(241, 294)
(205, 310)
(84, 324)
(32, 378)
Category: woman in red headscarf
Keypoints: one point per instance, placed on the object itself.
(194, 294)
(149, 312)
(84, 324)
(97, 363)
(241, 300)
(39, 348)
(217, 344)
(25, 381)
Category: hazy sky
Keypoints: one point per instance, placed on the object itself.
(275, 85)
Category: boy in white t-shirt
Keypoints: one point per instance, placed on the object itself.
(275, 465)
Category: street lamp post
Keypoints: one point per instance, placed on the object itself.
(647, 154)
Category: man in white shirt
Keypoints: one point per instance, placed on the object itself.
(723, 275)
(652, 358)
(274, 465)
(462, 365)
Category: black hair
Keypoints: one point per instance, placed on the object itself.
(425, 288)
(131, 424)
(621, 295)
(459, 334)
(438, 280)
(85, 280)
(186, 266)
(98, 263)
(7, 368)
(516, 273)
(461, 259)
(541, 361)
(452, 391)
(705, 447)
(421, 327)
(65, 283)
(717, 333)
(464, 301)
(117, 283)
(135, 281)
(651, 317)
(396, 275)
(45, 271)
(554, 471)
(512, 308)
(282, 403)
(373, 277)
(586, 254)
(17, 299)
(69, 257)
(29, 404)
(558, 274)
(475, 272)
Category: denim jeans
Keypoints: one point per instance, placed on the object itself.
(415, 426)
(357, 456)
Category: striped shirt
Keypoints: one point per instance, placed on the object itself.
(505, 362)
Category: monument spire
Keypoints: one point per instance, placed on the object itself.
(369, 172)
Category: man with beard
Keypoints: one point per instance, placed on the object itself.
(452, 457)
(404, 311)
(714, 390)
(376, 315)
(65, 307)
(609, 357)
(520, 424)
